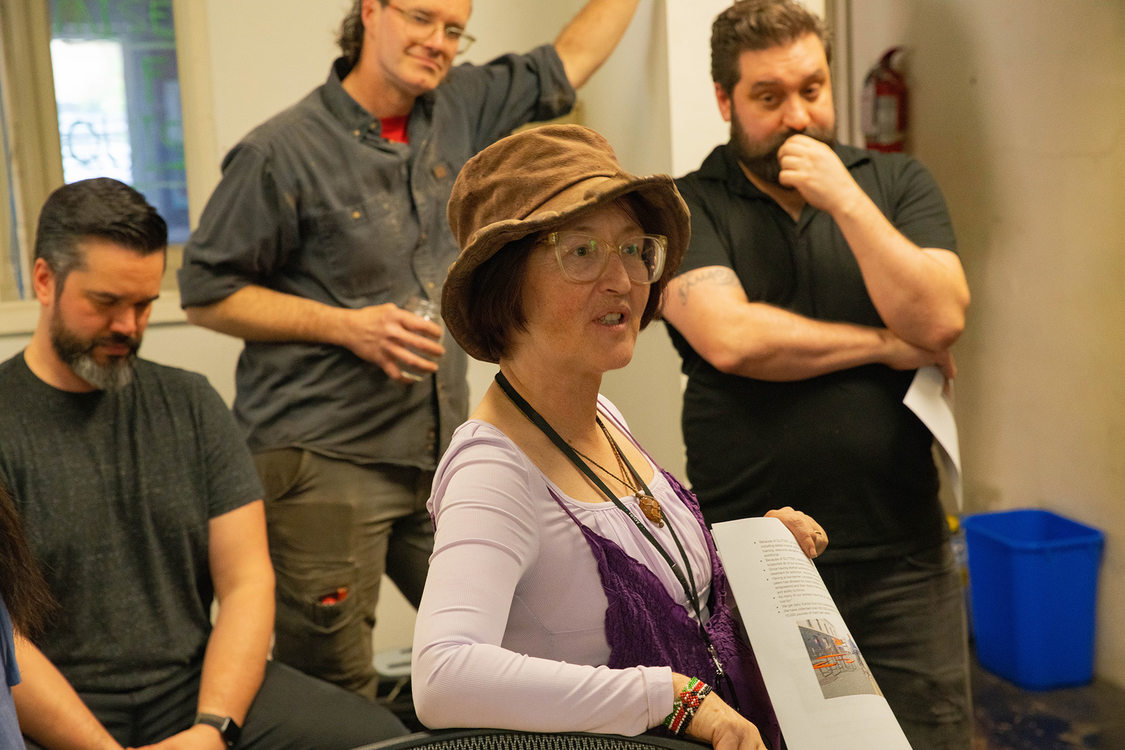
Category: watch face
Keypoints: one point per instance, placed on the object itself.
(228, 729)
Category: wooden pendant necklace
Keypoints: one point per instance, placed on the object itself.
(649, 505)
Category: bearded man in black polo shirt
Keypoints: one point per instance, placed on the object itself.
(818, 279)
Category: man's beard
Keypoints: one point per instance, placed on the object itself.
(78, 355)
(760, 159)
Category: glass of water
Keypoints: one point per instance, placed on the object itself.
(429, 310)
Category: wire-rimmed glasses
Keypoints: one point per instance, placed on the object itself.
(421, 25)
(583, 257)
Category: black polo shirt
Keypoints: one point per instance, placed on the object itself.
(841, 447)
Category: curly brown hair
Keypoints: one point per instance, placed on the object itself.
(758, 25)
(350, 38)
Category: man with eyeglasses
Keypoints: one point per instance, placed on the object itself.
(328, 217)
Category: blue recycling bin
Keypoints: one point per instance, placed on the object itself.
(1033, 578)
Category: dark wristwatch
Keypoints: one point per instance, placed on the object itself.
(227, 726)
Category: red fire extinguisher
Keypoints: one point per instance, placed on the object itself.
(884, 104)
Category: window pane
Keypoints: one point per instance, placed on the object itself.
(118, 95)
(93, 123)
(13, 266)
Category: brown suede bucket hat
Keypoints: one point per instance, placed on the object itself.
(536, 181)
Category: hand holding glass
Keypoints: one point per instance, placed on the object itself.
(427, 310)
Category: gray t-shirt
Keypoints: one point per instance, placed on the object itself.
(116, 491)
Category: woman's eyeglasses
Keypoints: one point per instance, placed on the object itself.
(583, 257)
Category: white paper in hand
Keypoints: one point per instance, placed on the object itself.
(821, 688)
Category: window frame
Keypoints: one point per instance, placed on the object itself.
(25, 37)
(36, 156)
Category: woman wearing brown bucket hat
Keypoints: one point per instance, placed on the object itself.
(564, 558)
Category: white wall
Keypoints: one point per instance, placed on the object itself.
(1019, 110)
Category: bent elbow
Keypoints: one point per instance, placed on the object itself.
(952, 324)
(945, 333)
(726, 362)
(213, 316)
(436, 700)
(749, 361)
(437, 708)
(722, 356)
(197, 316)
(424, 709)
(947, 338)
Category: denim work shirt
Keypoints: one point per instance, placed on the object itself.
(316, 203)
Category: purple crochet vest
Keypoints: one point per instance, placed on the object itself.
(646, 627)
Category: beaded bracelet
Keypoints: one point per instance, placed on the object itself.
(685, 705)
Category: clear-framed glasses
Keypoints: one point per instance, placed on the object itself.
(421, 24)
(583, 257)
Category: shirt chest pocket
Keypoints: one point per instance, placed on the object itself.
(362, 253)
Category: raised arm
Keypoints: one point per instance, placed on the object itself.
(920, 293)
(49, 710)
(587, 41)
(710, 309)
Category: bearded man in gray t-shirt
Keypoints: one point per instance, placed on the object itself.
(140, 500)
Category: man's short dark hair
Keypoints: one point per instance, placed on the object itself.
(101, 208)
(758, 25)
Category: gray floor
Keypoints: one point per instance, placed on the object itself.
(1009, 718)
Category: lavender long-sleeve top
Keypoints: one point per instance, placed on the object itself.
(511, 629)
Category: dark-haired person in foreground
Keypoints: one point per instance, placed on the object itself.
(24, 604)
(140, 502)
(818, 279)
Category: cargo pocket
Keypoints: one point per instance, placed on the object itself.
(316, 623)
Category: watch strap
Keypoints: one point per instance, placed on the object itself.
(228, 727)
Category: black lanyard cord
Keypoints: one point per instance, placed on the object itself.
(688, 582)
